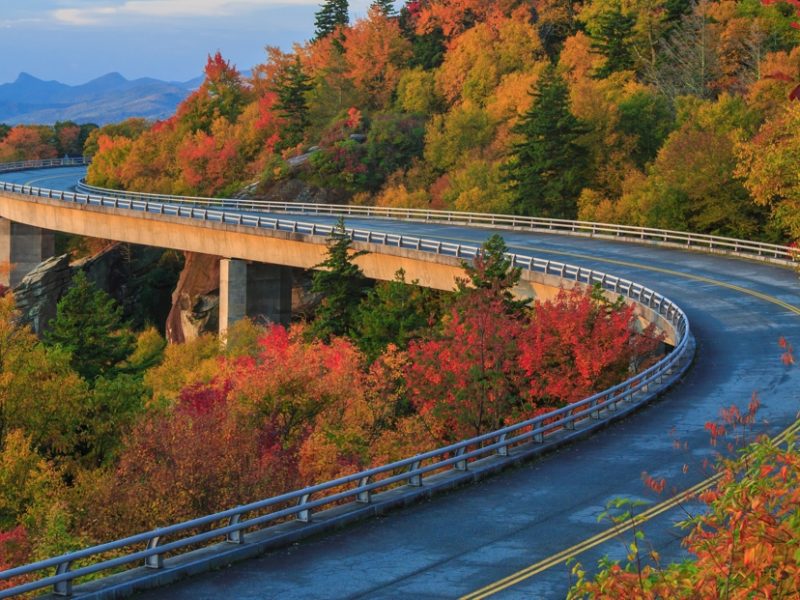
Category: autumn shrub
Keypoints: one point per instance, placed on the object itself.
(744, 545)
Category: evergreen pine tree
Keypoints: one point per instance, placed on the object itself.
(394, 312)
(331, 15)
(611, 37)
(548, 168)
(385, 6)
(492, 270)
(89, 325)
(342, 285)
(292, 85)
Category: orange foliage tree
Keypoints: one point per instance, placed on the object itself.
(375, 51)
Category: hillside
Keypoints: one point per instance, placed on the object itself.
(107, 99)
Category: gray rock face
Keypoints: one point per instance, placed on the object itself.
(195, 301)
(296, 190)
(38, 293)
(40, 290)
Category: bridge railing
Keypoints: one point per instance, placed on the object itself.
(234, 525)
(696, 241)
(74, 161)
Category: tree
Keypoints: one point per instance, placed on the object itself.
(385, 6)
(89, 325)
(577, 345)
(342, 285)
(394, 312)
(549, 167)
(688, 62)
(332, 15)
(292, 86)
(465, 380)
(28, 142)
(39, 393)
(768, 167)
(492, 270)
(375, 51)
(611, 37)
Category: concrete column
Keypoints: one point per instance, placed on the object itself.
(256, 290)
(232, 292)
(22, 247)
(269, 293)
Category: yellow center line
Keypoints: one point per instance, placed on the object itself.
(658, 509)
(608, 534)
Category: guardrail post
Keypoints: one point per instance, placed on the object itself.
(235, 537)
(154, 561)
(415, 479)
(304, 516)
(364, 496)
(570, 424)
(63, 588)
(462, 464)
(502, 450)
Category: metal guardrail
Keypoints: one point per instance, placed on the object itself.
(74, 161)
(230, 525)
(696, 241)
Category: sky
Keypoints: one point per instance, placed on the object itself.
(74, 41)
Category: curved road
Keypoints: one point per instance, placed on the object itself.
(473, 537)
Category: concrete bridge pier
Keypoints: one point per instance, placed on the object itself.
(22, 248)
(257, 290)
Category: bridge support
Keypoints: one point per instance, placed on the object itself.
(22, 247)
(255, 290)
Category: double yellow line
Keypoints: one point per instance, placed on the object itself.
(611, 532)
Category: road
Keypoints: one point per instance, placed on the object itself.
(475, 536)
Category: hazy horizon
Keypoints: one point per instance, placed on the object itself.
(75, 41)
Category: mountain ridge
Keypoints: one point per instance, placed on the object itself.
(106, 99)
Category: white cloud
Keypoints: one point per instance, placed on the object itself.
(166, 8)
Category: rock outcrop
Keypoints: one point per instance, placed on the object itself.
(297, 190)
(195, 301)
(116, 270)
(38, 293)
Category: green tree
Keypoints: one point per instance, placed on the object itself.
(292, 86)
(611, 35)
(342, 284)
(549, 167)
(492, 270)
(394, 312)
(386, 7)
(88, 325)
(331, 15)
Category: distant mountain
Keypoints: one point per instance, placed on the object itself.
(107, 99)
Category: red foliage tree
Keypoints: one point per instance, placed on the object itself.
(578, 345)
(464, 381)
(15, 550)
